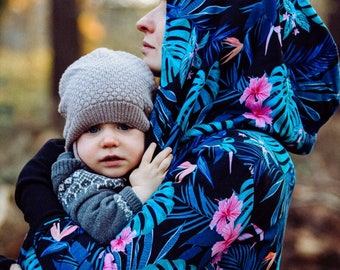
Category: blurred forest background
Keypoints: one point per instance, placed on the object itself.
(39, 39)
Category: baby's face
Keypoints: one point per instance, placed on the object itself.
(111, 149)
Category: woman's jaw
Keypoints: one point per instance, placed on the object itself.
(152, 25)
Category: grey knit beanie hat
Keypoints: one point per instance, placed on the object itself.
(105, 86)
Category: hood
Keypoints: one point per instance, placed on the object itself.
(267, 65)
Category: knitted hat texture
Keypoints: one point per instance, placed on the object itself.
(105, 86)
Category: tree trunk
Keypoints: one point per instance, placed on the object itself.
(65, 44)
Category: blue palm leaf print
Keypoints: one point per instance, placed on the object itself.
(170, 265)
(144, 257)
(310, 12)
(197, 11)
(170, 243)
(202, 165)
(313, 61)
(287, 118)
(206, 14)
(31, 260)
(155, 210)
(209, 92)
(56, 247)
(255, 11)
(270, 9)
(280, 156)
(183, 116)
(293, 18)
(179, 45)
(246, 195)
(240, 257)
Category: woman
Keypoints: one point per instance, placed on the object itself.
(241, 84)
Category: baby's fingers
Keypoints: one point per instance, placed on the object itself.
(165, 164)
(148, 154)
(163, 159)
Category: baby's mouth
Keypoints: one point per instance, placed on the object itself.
(110, 158)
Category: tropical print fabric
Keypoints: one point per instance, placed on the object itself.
(266, 65)
(204, 218)
(243, 83)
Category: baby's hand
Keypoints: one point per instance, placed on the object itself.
(151, 172)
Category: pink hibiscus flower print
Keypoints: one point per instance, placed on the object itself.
(230, 234)
(260, 114)
(228, 212)
(122, 240)
(258, 91)
(57, 235)
(109, 262)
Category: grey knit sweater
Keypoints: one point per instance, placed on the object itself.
(102, 206)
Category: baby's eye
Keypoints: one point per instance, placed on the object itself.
(124, 127)
(93, 129)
